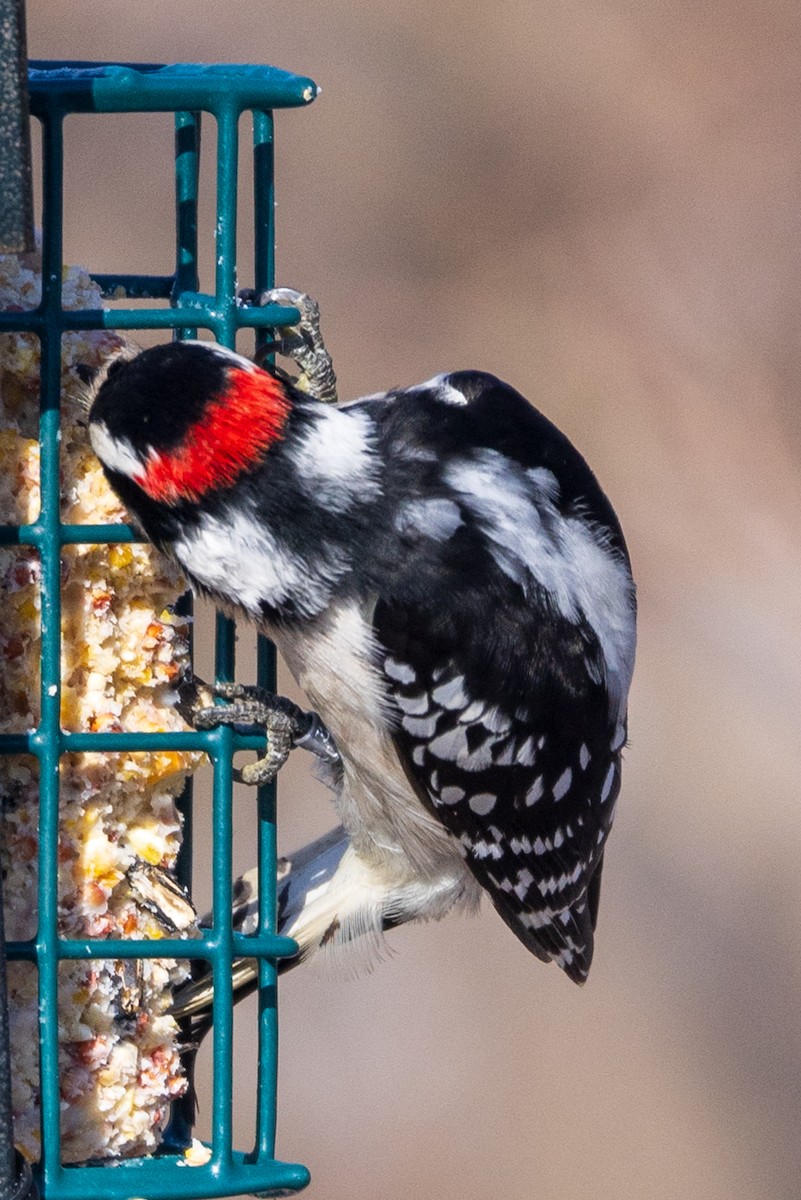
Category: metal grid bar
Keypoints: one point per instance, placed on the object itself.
(58, 89)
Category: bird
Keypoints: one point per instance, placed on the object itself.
(449, 585)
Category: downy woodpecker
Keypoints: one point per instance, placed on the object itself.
(449, 585)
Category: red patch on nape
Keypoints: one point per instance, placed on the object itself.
(238, 427)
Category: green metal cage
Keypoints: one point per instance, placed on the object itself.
(225, 92)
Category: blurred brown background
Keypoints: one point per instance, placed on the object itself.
(601, 203)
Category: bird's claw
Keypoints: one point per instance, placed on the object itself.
(285, 723)
(303, 343)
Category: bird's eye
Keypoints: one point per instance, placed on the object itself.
(85, 373)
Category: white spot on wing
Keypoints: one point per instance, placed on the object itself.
(421, 727)
(545, 482)
(444, 391)
(451, 694)
(483, 849)
(562, 785)
(535, 792)
(415, 706)
(536, 920)
(448, 746)
(524, 882)
(553, 885)
(400, 672)
(435, 518)
(526, 754)
(452, 795)
(584, 756)
(482, 803)
(608, 781)
(480, 758)
(496, 721)
(450, 395)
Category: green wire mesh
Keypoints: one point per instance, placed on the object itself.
(56, 90)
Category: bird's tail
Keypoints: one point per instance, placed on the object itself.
(304, 881)
(329, 899)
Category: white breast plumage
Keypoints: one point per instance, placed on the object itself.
(334, 663)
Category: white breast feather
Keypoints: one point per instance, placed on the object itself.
(401, 862)
(334, 664)
(235, 555)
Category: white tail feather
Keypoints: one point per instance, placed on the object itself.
(335, 905)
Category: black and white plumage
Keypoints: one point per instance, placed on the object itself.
(447, 582)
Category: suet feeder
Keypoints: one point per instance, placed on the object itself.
(176, 306)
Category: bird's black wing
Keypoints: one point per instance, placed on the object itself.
(504, 723)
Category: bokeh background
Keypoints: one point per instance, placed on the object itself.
(601, 203)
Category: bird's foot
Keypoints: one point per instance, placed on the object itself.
(286, 724)
(303, 343)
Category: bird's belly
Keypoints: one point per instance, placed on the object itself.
(333, 661)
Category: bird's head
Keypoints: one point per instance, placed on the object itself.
(183, 419)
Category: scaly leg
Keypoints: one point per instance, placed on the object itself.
(285, 723)
(303, 343)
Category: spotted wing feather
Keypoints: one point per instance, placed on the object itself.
(530, 801)
(505, 724)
